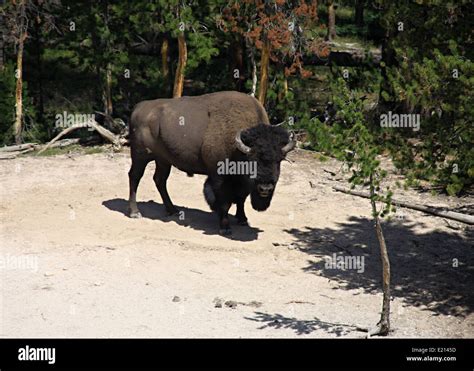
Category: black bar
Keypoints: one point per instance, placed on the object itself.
(271, 353)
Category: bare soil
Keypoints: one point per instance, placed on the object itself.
(74, 265)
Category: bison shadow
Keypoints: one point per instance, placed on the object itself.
(432, 270)
(205, 221)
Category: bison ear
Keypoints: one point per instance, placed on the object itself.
(291, 144)
(240, 145)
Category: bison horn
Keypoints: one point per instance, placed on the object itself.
(291, 144)
(240, 145)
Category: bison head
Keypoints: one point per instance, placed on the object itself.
(266, 145)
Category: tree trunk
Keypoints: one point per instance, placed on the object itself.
(165, 69)
(164, 58)
(109, 109)
(388, 59)
(264, 63)
(238, 64)
(182, 58)
(251, 50)
(383, 327)
(108, 105)
(331, 21)
(19, 95)
(314, 8)
(359, 13)
(283, 92)
(18, 125)
(39, 68)
(2, 43)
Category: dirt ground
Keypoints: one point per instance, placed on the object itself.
(74, 265)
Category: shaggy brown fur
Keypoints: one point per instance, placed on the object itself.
(193, 133)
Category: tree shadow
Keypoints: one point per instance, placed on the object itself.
(300, 327)
(204, 221)
(432, 270)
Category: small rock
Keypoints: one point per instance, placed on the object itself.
(217, 303)
(48, 274)
(231, 304)
(176, 299)
(255, 304)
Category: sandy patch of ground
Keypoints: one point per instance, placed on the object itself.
(74, 265)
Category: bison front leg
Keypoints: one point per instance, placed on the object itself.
(224, 223)
(135, 174)
(217, 196)
(240, 214)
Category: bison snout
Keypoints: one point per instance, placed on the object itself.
(265, 190)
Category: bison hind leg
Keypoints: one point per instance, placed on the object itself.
(135, 174)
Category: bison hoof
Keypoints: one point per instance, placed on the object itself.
(225, 231)
(135, 215)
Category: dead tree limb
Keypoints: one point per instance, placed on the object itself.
(12, 155)
(106, 134)
(57, 137)
(464, 218)
(11, 152)
(19, 147)
(116, 140)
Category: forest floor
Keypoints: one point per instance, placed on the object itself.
(74, 265)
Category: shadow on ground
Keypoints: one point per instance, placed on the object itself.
(433, 269)
(300, 327)
(205, 221)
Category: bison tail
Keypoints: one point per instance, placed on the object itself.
(209, 194)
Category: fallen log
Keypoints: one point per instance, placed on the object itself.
(57, 137)
(18, 147)
(106, 134)
(11, 155)
(65, 142)
(116, 126)
(116, 140)
(7, 156)
(436, 211)
(12, 152)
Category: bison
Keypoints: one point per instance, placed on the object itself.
(215, 135)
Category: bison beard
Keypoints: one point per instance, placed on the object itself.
(209, 194)
(258, 202)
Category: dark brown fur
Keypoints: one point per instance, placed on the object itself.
(207, 136)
